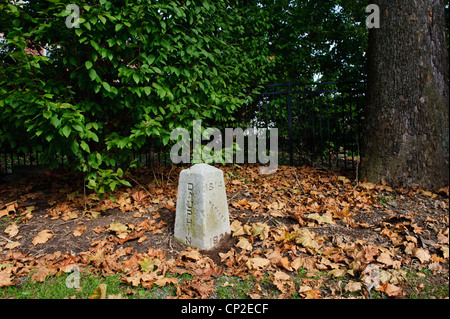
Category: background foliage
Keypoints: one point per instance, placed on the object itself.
(136, 69)
(317, 39)
(131, 72)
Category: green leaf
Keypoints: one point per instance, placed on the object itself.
(93, 74)
(47, 114)
(150, 59)
(114, 90)
(74, 146)
(111, 42)
(99, 158)
(157, 70)
(136, 78)
(125, 183)
(85, 146)
(147, 90)
(66, 130)
(106, 86)
(55, 121)
(95, 45)
(166, 139)
(88, 64)
(102, 19)
(94, 137)
(12, 8)
(78, 127)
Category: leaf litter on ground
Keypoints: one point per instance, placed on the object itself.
(350, 240)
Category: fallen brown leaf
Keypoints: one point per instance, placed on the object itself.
(79, 231)
(257, 263)
(5, 277)
(244, 244)
(306, 239)
(12, 230)
(99, 292)
(313, 294)
(353, 286)
(390, 290)
(386, 259)
(422, 254)
(9, 207)
(40, 275)
(42, 237)
(131, 236)
(12, 245)
(280, 275)
(337, 272)
(164, 281)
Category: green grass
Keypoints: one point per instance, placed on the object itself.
(422, 284)
(55, 288)
(233, 288)
(419, 284)
(6, 221)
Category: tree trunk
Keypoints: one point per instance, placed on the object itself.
(406, 138)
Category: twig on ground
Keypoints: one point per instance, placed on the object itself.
(170, 243)
(84, 191)
(8, 240)
(232, 173)
(154, 175)
(140, 185)
(234, 195)
(298, 182)
(168, 176)
(357, 170)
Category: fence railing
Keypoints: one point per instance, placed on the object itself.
(318, 124)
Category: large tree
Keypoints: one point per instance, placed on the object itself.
(406, 124)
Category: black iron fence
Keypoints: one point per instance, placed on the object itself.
(318, 124)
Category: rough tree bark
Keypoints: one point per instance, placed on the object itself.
(406, 138)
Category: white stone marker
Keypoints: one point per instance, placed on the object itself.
(202, 218)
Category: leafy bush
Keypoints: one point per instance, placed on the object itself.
(129, 74)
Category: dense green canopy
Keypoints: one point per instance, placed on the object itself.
(135, 69)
